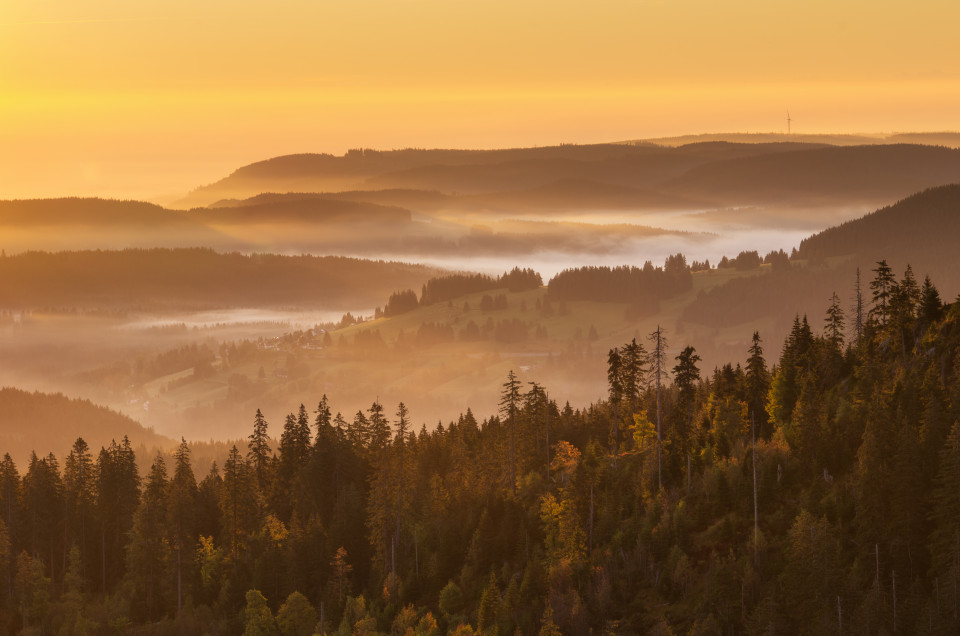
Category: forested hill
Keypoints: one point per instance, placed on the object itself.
(921, 229)
(920, 232)
(198, 278)
(31, 420)
(646, 176)
(815, 492)
(472, 171)
(306, 209)
(79, 211)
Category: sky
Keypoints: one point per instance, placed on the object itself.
(150, 99)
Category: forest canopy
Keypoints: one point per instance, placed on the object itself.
(817, 491)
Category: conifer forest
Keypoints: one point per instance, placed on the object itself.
(814, 489)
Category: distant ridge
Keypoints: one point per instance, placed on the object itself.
(700, 168)
(875, 174)
(463, 171)
(88, 211)
(71, 223)
(583, 195)
(198, 278)
(945, 138)
(401, 197)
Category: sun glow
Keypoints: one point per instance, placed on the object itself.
(150, 98)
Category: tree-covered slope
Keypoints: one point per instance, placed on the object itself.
(822, 175)
(51, 422)
(811, 492)
(921, 229)
(198, 278)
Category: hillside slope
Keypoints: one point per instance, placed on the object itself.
(472, 171)
(822, 175)
(44, 423)
(922, 230)
(197, 279)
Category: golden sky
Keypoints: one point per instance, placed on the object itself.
(147, 97)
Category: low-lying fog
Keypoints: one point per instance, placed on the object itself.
(254, 319)
(698, 236)
(100, 355)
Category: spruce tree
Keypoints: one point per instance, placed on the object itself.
(509, 402)
(117, 497)
(615, 382)
(148, 551)
(757, 385)
(379, 430)
(833, 329)
(238, 502)
(181, 516)
(258, 453)
(686, 376)
(931, 307)
(79, 491)
(881, 286)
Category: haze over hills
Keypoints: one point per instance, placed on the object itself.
(76, 223)
(458, 350)
(581, 204)
(322, 224)
(200, 342)
(401, 349)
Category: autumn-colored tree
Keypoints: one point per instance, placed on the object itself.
(32, 591)
(257, 618)
(340, 573)
(489, 607)
(296, 616)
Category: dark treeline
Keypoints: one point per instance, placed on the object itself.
(446, 288)
(196, 278)
(648, 284)
(399, 303)
(817, 494)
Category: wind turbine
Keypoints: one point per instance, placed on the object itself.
(788, 122)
